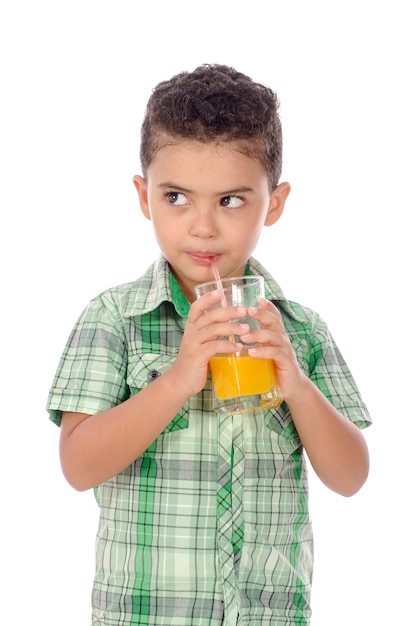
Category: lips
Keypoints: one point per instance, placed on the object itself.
(204, 258)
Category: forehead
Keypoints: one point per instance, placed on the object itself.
(191, 163)
(181, 152)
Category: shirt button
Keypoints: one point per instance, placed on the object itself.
(154, 374)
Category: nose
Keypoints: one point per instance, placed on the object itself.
(203, 223)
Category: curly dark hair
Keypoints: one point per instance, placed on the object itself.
(215, 103)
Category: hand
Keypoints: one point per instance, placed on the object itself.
(201, 340)
(335, 446)
(273, 343)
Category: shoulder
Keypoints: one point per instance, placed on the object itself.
(294, 313)
(135, 297)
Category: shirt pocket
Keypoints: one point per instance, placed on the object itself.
(143, 369)
(280, 421)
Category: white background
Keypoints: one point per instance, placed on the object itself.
(75, 77)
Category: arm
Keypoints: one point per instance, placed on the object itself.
(335, 446)
(94, 448)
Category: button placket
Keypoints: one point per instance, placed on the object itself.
(229, 509)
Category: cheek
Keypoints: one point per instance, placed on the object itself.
(254, 228)
(167, 231)
(244, 240)
(162, 228)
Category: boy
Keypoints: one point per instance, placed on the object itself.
(203, 517)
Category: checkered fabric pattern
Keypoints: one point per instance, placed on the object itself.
(210, 525)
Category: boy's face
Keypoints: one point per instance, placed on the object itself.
(207, 202)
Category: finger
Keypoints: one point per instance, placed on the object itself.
(266, 305)
(279, 354)
(205, 315)
(225, 346)
(204, 303)
(268, 316)
(213, 332)
(260, 338)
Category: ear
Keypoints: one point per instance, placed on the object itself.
(142, 190)
(277, 202)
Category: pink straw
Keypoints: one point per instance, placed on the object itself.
(218, 282)
(221, 289)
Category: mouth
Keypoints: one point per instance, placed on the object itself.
(204, 258)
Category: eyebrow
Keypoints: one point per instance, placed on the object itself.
(169, 185)
(229, 192)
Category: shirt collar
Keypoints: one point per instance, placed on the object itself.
(273, 291)
(158, 285)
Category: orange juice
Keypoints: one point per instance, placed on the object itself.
(234, 376)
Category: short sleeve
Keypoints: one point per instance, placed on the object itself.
(91, 375)
(329, 371)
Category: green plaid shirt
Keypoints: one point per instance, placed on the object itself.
(210, 525)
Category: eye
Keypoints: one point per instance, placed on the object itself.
(176, 198)
(232, 202)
